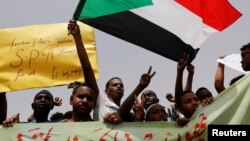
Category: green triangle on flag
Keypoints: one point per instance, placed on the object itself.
(96, 8)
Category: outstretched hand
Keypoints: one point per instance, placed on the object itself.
(190, 68)
(73, 28)
(221, 57)
(57, 101)
(9, 122)
(112, 118)
(207, 101)
(182, 63)
(146, 77)
(170, 97)
(138, 110)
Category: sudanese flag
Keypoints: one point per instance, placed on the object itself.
(165, 27)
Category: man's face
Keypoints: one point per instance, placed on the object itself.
(245, 63)
(83, 101)
(189, 104)
(115, 90)
(148, 98)
(156, 113)
(42, 102)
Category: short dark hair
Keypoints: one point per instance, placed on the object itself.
(245, 47)
(148, 91)
(44, 92)
(74, 84)
(107, 84)
(83, 84)
(67, 115)
(200, 89)
(56, 116)
(236, 79)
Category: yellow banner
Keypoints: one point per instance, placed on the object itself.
(42, 56)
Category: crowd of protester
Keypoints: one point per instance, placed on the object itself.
(110, 109)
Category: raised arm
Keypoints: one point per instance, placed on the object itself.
(182, 63)
(219, 77)
(3, 107)
(189, 83)
(88, 72)
(127, 105)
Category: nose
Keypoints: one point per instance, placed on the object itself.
(147, 96)
(119, 86)
(85, 99)
(43, 98)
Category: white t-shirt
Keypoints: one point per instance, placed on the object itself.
(103, 107)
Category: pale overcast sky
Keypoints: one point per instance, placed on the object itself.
(119, 58)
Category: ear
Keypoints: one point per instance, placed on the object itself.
(106, 91)
(71, 99)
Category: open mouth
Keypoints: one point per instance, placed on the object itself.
(148, 102)
(81, 107)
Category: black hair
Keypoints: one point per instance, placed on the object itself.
(148, 91)
(107, 84)
(56, 116)
(236, 79)
(200, 89)
(74, 84)
(44, 92)
(82, 84)
(67, 115)
(245, 47)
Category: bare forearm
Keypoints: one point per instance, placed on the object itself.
(127, 105)
(178, 85)
(85, 63)
(219, 78)
(189, 82)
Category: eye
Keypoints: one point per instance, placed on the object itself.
(80, 96)
(188, 101)
(39, 97)
(47, 98)
(90, 98)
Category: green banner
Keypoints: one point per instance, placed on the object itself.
(232, 106)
